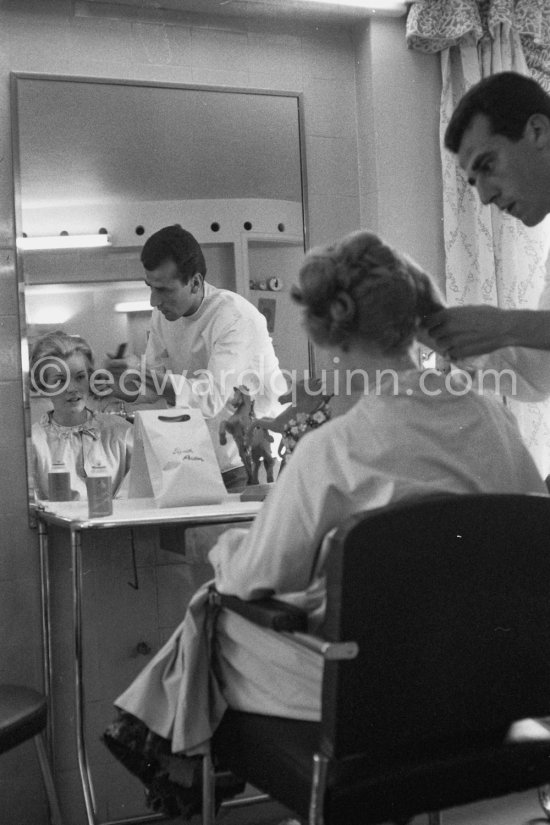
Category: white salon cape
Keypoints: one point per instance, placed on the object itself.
(103, 440)
(387, 448)
(225, 343)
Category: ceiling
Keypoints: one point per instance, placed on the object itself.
(290, 9)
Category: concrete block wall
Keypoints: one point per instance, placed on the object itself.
(398, 92)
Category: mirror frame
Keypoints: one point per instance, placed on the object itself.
(15, 77)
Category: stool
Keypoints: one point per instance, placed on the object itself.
(23, 715)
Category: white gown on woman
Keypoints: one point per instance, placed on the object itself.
(404, 439)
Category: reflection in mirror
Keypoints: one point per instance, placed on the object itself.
(122, 160)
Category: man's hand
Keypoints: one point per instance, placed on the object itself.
(461, 332)
(130, 381)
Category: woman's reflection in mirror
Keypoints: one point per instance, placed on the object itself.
(72, 437)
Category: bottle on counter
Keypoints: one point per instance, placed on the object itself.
(100, 494)
(59, 482)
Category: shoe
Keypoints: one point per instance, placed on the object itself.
(528, 730)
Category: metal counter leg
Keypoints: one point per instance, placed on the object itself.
(46, 628)
(85, 777)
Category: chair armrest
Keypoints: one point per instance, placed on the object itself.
(268, 612)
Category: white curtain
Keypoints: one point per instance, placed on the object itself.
(491, 258)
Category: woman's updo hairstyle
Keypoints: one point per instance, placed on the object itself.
(361, 288)
(56, 345)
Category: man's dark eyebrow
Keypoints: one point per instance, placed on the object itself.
(479, 161)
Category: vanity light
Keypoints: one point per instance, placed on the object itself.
(49, 315)
(133, 306)
(64, 241)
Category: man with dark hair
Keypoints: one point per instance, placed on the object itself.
(500, 131)
(203, 342)
(507, 100)
(176, 243)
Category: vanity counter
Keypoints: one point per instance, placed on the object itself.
(140, 511)
(113, 590)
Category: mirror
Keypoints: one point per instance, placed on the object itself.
(120, 160)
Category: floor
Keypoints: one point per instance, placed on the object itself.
(516, 809)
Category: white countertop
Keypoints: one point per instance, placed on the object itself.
(144, 511)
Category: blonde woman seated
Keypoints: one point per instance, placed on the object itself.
(410, 434)
(72, 433)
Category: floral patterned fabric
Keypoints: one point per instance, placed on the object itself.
(435, 25)
(490, 257)
(302, 424)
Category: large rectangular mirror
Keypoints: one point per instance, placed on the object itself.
(120, 160)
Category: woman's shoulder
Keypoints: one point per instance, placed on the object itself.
(43, 423)
(495, 405)
(39, 428)
(333, 434)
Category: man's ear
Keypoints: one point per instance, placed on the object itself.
(537, 129)
(196, 282)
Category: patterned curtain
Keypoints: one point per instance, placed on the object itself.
(490, 257)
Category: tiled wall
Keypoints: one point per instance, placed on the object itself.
(345, 189)
(398, 113)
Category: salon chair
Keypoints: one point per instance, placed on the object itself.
(23, 715)
(436, 638)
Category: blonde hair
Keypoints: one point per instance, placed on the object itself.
(362, 288)
(57, 344)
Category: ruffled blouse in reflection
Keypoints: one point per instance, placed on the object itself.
(102, 440)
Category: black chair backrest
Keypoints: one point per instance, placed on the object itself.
(449, 601)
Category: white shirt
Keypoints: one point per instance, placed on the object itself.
(384, 449)
(227, 340)
(522, 373)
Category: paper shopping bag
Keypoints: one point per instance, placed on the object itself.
(173, 460)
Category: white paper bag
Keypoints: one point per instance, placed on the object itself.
(173, 460)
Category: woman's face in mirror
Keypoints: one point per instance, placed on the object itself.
(67, 385)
